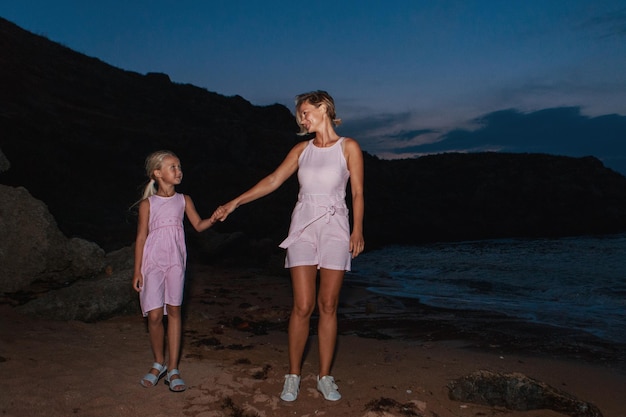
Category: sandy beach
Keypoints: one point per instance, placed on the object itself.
(235, 356)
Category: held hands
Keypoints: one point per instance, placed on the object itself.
(222, 212)
(214, 218)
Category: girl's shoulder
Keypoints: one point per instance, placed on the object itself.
(143, 207)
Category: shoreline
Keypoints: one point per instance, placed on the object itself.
(234, 357)
(377, 316)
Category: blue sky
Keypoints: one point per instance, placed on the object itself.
(409, 77)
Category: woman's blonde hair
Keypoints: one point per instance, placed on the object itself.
(316, 98)
(154, 161)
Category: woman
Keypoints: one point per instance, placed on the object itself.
(319, 236)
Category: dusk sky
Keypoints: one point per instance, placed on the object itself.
(409, 77)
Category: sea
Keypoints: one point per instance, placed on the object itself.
(574, 282)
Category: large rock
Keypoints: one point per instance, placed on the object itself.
(32, 248)
(92, 298)
(516, 391)
(31, 245)
(88, 300)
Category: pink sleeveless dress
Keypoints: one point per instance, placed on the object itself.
(164, 254)
(319, 233)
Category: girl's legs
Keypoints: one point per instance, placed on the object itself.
(327, 302)
(174, 334)
(303, 283)
(157, 342)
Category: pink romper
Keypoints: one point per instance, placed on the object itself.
(319, 233)
(164, 254)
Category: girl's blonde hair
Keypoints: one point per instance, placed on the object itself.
(316, 98)
(153, 163)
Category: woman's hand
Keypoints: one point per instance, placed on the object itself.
(357, 244)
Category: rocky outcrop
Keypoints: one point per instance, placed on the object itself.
(492, 195)
(54, 276)
(32, 248)
(516, 391)
(74, 114)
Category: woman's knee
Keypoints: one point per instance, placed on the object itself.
(327, 306)
(303, 310)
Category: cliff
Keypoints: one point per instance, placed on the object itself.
(76, 130)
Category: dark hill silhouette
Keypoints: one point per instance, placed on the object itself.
(76, 130)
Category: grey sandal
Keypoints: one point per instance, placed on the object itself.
(177, 384)
(152, 378)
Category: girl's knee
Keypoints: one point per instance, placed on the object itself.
(173, 311)
(155, 316)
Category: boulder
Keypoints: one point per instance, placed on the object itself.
(91, 298)
(88, 300)
(33, 249)
(31, 245)
(516, 391)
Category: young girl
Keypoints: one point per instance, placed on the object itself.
(160, 259)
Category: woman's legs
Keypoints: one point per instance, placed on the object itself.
(327, 302)
(303, 279)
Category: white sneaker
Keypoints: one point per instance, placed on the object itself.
(291, 387)
(326, 385)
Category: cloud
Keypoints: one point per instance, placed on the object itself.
(381, 134)
(559, 131)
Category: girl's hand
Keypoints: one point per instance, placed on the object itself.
(137, 282)
(217, 214)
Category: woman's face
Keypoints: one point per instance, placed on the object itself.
(311, 117)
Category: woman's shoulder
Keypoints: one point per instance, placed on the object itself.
(303, 144)
(350, 143)
(299, 147)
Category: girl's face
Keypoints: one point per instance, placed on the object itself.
(170, 172)
(311, 117)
